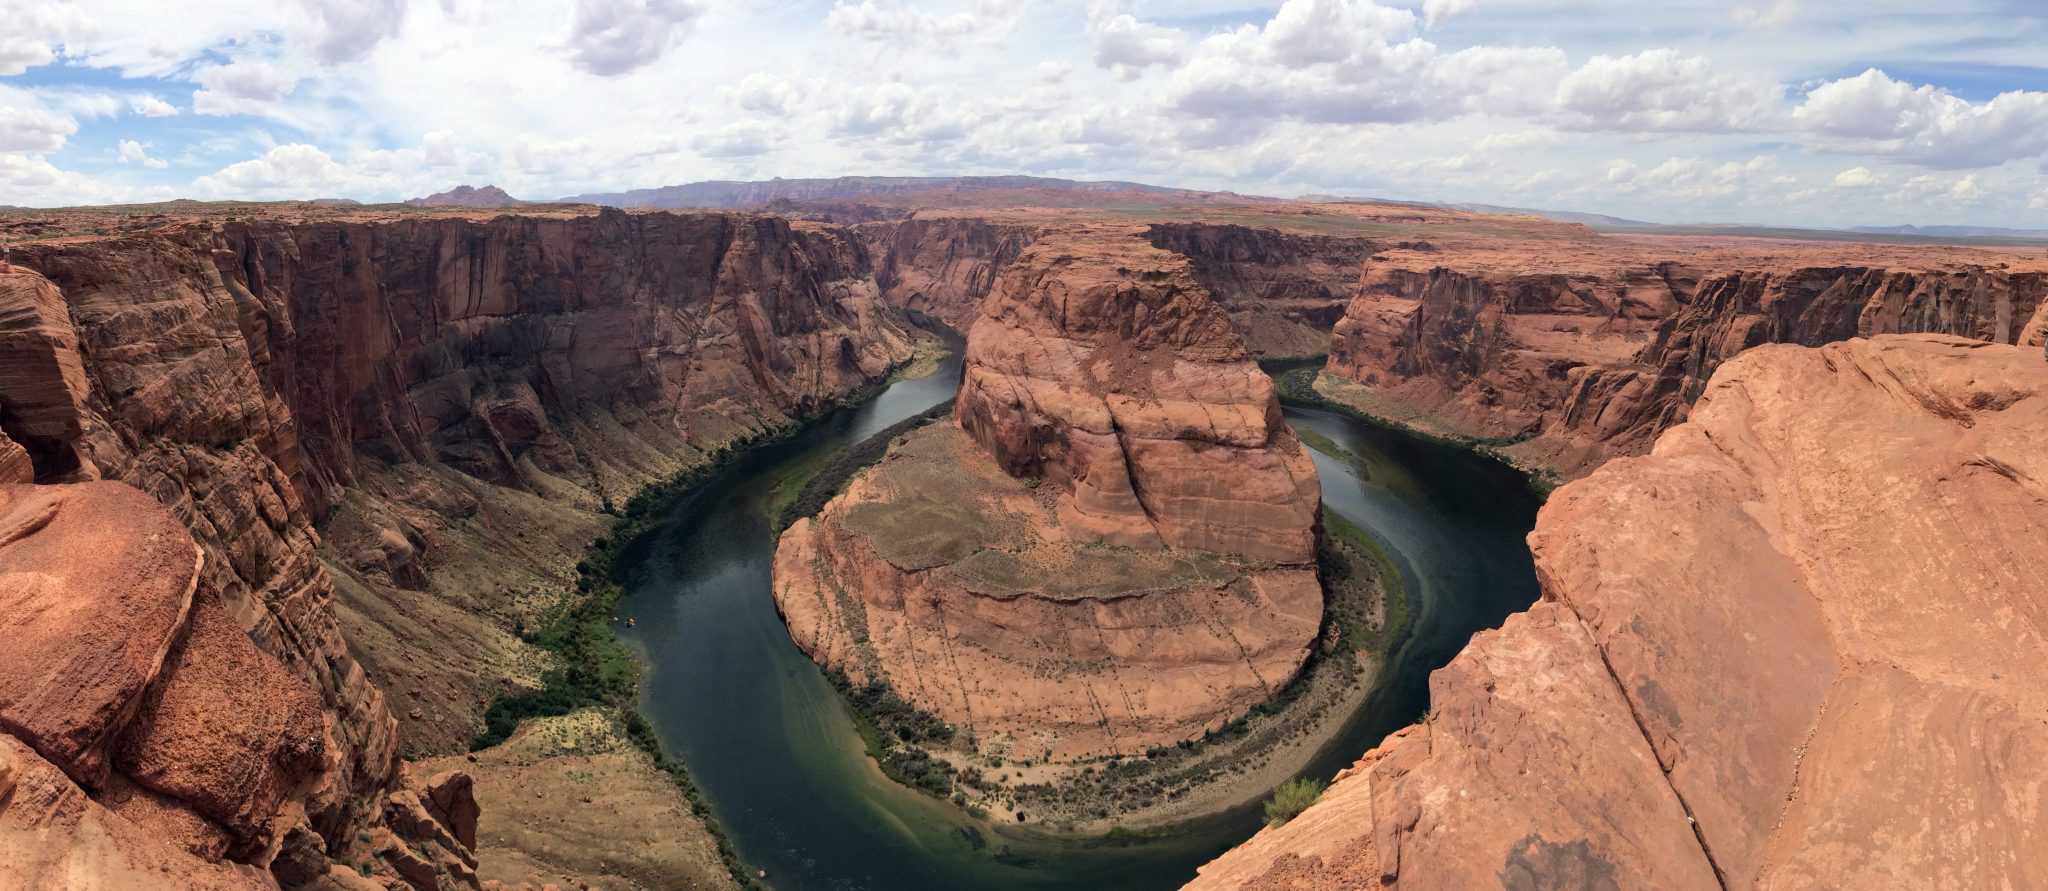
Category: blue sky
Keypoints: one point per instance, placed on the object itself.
(1796, 112)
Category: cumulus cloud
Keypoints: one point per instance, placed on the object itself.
(20, 52)
(736, 140)
(767, 94)
(897, 23)
(1765, 15)
(349, 29)
(132, 152)
(151, 107)
(243, 87)
(1855, 178)
(1436, 12)
(612, 37)
(26, 125)
(1926, 124)
(294, 170)
(1664, 90)
(1127, 46)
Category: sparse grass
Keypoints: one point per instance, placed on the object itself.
(833, 475)
(1314, 439)
(1353, 558)
(1293, 797)
(1295, 382)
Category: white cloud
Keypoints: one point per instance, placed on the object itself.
(1765, 15)
(613, 37)
(20, 52)
(1856, 178)
(1128, 46)
(766, 94)
(1927, 124)
(1663, 90)
(26, 125)
(132, 152)
(1380, 98)
(896, 23)
(736, 140)
(1514, 140)
(1437, 12)
(151, 107)
(295, 166)
(242, 87)
(350, 29)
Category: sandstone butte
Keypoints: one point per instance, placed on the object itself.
(1113, 549)
(1798, 645)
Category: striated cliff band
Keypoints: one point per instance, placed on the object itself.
(384, 438)
(1565, 355)
(1795, 646)
(1112, 549)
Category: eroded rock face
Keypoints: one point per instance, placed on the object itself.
(1284, 291)
(943, 267)
(1112, 550)
(1575, 368)
(99, 585)
(1103, 366)
(42, 381)
(144, 739)
(450, 398)
(437, 393)
(1793, 661)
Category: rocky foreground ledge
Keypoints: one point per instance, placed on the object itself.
(1799, 645)
(146, 742)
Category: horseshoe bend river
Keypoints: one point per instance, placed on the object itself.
(771, 746)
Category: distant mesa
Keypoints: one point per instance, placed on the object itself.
(468, 196)
(925, 191)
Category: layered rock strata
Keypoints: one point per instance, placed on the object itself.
(450, 401)
(145, 741)
(1113, 550)
(1285, 291)
(1571, 368)
(1795, 646)
(943, 267)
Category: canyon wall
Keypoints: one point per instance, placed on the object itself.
(1284, 290)
(1114, 548)
(1568, 369)
(1793, 647)
(943, 266)
(448, 401)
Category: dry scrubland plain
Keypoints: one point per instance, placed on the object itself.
(364, 449)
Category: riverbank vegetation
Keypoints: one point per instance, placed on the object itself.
(590, 667)
(1294, 380)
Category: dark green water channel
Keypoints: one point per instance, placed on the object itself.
(770, 743)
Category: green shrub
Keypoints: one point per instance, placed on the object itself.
(1293, 797)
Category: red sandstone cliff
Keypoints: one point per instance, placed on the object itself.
(1283, 290)
(943, 267)
(443, 398)
(1117, 553)
(145, 740)
(1795, 646)
(1575, 367)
